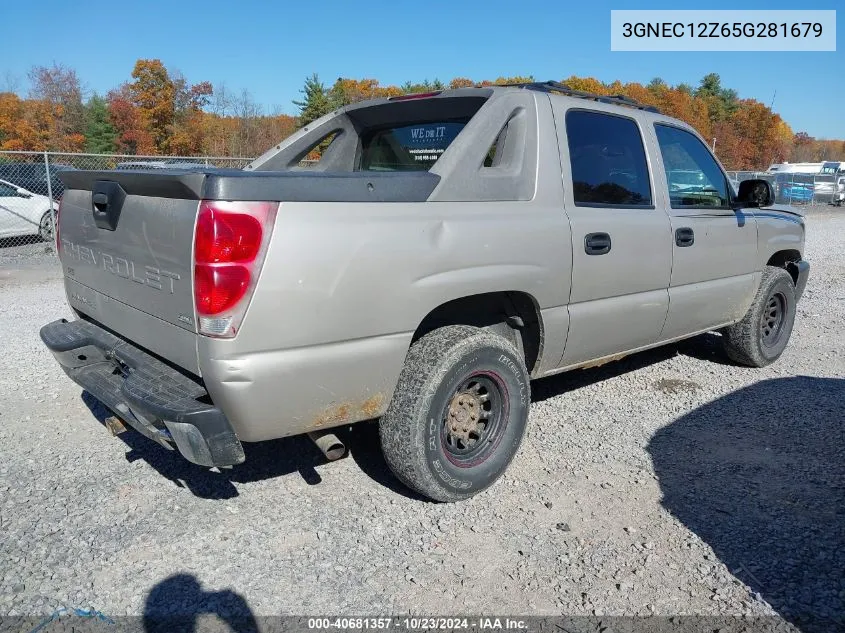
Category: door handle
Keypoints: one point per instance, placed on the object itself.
(596, 243)
(684, 236)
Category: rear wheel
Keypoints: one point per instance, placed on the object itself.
(45, 226)
(458, 414)
(760, 338)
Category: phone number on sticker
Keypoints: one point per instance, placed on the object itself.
(721, 29)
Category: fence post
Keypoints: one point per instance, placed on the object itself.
(50, 195)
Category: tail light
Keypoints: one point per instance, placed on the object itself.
(56, 225)
(230, 243)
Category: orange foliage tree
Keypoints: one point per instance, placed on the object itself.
(160, 112)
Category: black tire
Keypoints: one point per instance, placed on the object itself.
(431, 434)
(45, 227)
(760, 338)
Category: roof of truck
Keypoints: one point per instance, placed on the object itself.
(548, 87)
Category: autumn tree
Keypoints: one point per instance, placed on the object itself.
(131, 134)
(153, 93)
(57, 88)
(25, 124)
(461, 82)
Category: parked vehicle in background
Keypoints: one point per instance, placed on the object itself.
(833, 168)
(24, 213)
(795, 168)
(33, 177)
(181, 163)
(447, 248)
(839, 193)
(823, 187)
(797, 192)
(686, 180)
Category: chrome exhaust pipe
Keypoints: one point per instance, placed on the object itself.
(329, 444)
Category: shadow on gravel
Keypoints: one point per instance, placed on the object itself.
(179, 604)
(364, 446)
(545, 388)
(22, 240)
(759, 475)
(706, 347)
(264, 460)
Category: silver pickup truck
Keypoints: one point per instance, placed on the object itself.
(446, 249)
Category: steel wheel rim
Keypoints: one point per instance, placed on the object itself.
(773, 319)
(474, 419)
(46, 227)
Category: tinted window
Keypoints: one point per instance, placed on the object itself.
(694, 177)
(7, 192)
(408, 148)
(608, 160)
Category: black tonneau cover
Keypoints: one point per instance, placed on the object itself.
(290, 186)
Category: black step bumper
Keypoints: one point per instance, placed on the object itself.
(154, 398)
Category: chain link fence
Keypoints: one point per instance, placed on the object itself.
(797, 188)
(31, 185)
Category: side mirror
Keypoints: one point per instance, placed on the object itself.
(755, 193)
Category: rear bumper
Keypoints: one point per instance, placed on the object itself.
(801, 280)
(157, 400)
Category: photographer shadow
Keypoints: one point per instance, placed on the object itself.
(179, 604)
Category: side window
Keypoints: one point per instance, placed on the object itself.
(7, 192)
(694, 177)
(609, 167)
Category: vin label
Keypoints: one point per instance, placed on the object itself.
(723, 30)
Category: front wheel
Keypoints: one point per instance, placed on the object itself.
(458, 414)
(760, 338)
(45, 226)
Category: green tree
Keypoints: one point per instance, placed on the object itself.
(99, 132)
(721, 102)
(424, 86)
(315, 103)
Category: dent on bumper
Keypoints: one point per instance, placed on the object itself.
(277, 393)
(157, 400)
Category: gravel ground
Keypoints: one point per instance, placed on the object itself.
(667, 483)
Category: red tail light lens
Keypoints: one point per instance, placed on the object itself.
(226, 237)
(219, 288)
(230, 242)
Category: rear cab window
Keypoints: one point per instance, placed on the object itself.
(414, 147)
(608, 161)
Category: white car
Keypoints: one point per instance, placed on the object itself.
(24, 213)
(839, 193)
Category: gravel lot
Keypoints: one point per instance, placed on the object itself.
(668, 483)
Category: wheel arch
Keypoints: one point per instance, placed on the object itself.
(786, 259)
(513, 314)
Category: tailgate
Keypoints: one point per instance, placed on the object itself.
(126, 252)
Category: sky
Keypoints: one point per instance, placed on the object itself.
(269, 48)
